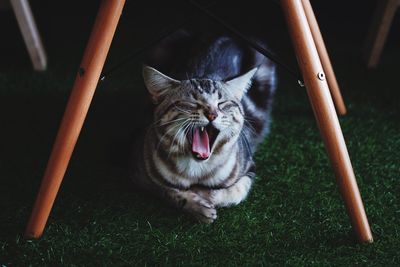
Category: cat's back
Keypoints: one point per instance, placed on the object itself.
(188, 54)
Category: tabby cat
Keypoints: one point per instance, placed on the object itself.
(212, 99)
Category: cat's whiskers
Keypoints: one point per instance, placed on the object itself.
(250, 119)
(158, 123)
(244, 139)
(171, 121)
(177, 134)
(191, 131)
(182, 137)
(247, 125)
(181, 133)
(165, 134)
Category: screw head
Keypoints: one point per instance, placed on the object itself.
(321, 76)
(81, 71)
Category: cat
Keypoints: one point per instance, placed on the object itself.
(212, 98)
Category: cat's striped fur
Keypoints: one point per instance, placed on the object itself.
(212, 108)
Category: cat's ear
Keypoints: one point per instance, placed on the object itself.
(158, 83)
(239, 85)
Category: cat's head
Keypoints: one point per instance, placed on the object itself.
(197, 117)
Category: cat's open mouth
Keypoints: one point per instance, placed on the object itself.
(202, 141)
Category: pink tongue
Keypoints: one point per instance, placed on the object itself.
(201, 144)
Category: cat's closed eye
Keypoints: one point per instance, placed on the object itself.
(227, 105)
(183, 106)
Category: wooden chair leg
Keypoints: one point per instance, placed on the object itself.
(379, 30)
(30, 33)
(324, 57)
(75, 113)
(325, 114)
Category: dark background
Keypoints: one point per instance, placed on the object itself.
(66, 25)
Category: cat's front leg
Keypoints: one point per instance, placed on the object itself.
(192, 203)
(229, 196)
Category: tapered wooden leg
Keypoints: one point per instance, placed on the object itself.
(324, 57)
(75, 113)
(30, 33)
(379, 29)
(325, 114)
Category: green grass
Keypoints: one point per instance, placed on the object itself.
(294, 215)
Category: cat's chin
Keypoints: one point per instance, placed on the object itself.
(200, 159)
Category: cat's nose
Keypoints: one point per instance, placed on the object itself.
(211, 115)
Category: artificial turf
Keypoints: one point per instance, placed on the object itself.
(294, 215)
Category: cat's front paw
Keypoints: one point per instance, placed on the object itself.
(205, 193)
(200, 208)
